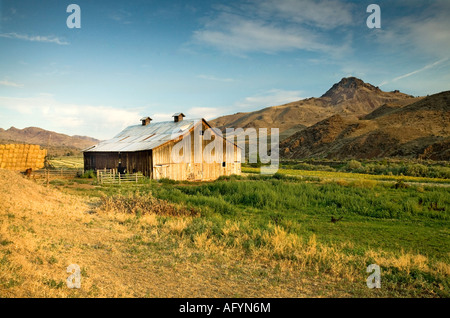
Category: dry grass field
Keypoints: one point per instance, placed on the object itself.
(132, 244)
(43, 231)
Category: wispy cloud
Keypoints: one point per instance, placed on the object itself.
(36, 38)
(275, 26)
(424, 33)
(325, 14)
(44, 110)
(273, 97)
(121, 16)
(426, 67)
(214, 78)
(10, 84)
(205, 112)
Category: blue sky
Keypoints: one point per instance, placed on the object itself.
(205, 58)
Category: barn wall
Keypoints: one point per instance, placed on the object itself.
(157, 163)
(164, 167)
(140, 161)
(100, 160)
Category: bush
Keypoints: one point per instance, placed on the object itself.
(400, 185)
(232, 177)
(354, 165)
(143, 204)
(167, 181)
(417, 170)
(88, 174)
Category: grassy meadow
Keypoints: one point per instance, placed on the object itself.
(67, 162)
(240, 236)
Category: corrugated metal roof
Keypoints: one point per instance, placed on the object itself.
(139, 138)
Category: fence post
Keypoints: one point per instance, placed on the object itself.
(136, 177)
(47, 173)
(119, 177)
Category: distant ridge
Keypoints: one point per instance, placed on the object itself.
(418, 130)
(349, 97)
(56, 143)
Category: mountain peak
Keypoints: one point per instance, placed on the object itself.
(348, 86)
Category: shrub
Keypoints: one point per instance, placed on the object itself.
(400, 185)
(143, 204)
(416, 170)
(88, 174)
(354, 165)
(167, 181)
(232, 177)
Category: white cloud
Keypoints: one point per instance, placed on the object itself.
(326, 14)
(213, 78)
(205, 112)
(238, 35)
(277, 26)
(45, 111)
(36, 38)
(273, 97)
(426, 67)
(158, 117)
(121, 16)
(426, 32)
(10, 84)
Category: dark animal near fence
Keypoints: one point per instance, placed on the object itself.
(28, 172)
(333, 220)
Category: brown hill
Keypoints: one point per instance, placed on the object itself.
(350, 97)
(417, 130)
(56, 143)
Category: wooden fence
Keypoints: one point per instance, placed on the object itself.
(56, 173)
(113, 177)
(105, 176)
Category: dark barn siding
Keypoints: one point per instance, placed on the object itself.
(139, 161)
(101, 160)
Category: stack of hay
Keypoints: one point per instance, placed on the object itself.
(21, 157)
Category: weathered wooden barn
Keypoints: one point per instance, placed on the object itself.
(149, 148)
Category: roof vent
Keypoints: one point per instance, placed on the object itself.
(145, 121)
(178, 117)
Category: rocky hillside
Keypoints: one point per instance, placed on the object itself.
(350, 97)
(399, 129)
(56, 143)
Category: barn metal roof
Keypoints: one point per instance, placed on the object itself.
(140, 138)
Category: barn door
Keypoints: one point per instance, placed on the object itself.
(161, 171)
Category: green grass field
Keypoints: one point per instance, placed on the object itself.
(284, 221)
(67, 162)
(349, 175)
(287, 221)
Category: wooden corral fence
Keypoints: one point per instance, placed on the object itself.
(56, 173)
(111, 176)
